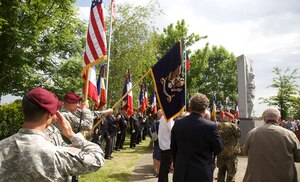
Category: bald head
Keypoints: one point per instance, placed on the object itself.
(271, 114)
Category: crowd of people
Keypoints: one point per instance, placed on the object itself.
(199, 145)
(50, 146)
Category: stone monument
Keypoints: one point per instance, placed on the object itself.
(246, 88)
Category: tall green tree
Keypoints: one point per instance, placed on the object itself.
(287, 90)
(213, 71)
(172, 34)
(35, 36)
(133, 47)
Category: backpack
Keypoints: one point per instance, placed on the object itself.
(154, 131)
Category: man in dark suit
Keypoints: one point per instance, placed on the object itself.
(194, 141)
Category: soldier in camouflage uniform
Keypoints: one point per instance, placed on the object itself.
(227, 159)
(29, 156)
(80, 119)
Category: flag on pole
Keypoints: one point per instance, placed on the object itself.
(141, 103)
(113, 10)
(236, 108)
(146, 96)
(101, 88)
(92, 85)
(221, 111)
(153, 103)
(128, 100)
(168, 79)
(187, 62)
(214, 108)
(227, 102)
(95, 48)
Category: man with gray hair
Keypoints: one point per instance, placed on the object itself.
(272, 151)
(193, 143)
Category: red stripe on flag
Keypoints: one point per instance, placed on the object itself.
(98, 36)
(92, 47)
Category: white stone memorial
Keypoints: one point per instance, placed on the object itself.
(246, 89)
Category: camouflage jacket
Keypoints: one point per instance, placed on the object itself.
(229, 134)
(87, 118)
(54, 136)
(29, 156)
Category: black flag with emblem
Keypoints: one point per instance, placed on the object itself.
(168, 78)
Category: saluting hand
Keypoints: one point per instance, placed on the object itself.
(65, 125)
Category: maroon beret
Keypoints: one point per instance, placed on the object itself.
(45, 99)
(72, 98)
(229, 115)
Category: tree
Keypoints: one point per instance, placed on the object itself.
(35, 36)
(285, 83)
(213, 71)
(133, 47)
(173, 34)
(11, 119)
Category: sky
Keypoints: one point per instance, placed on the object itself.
(266, 31)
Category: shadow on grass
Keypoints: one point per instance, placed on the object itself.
(120, 176)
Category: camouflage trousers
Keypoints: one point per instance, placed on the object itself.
(227, 165)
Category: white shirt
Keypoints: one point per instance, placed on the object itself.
(164, 133)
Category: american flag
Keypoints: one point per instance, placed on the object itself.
(95, 48)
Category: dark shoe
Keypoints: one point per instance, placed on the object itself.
(110, 157)
(107, 158)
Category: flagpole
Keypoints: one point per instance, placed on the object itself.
(185, 76)
(108, 51)
(119, 101)
(87, 83)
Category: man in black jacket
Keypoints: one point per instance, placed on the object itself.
(122, 123)
(194, 140)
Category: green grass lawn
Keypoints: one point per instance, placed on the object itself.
(121, 166)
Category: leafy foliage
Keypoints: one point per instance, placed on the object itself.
(11, 118)
(35, 36)
(286, 98)
(133, 47)
(219, 73)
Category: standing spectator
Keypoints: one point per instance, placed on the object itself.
(122, 129)
(164, 141)
(134, 129)
(29, 156)
(108, 140)
(112, 131)
(272, 151)
(291, 125)
(156, 150)
(194, 140)
(227, 160)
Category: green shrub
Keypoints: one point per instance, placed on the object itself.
(11, 119)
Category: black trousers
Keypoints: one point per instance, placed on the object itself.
(108, 146)
(120, 140)
(123, 136)
(133, 139)
(165, 162)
